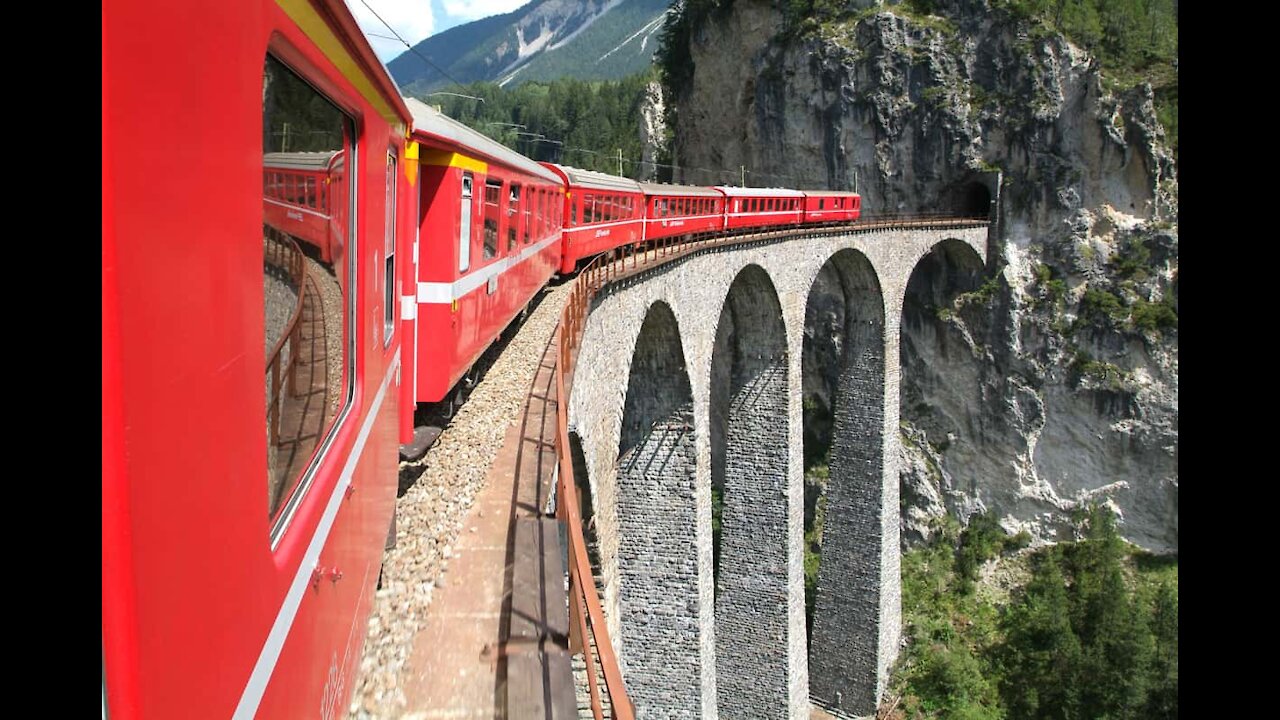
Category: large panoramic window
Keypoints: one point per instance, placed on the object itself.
(308, 280)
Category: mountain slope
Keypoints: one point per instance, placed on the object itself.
(544, 40)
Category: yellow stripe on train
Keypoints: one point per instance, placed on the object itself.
(453, 159)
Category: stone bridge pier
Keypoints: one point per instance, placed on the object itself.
(689, 382)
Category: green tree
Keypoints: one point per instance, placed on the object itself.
(1162, 700)
(1041, 656)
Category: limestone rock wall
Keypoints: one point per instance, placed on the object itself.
(1048, 394)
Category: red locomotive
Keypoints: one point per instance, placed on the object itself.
(251, 423)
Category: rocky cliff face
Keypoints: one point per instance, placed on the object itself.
(653, 131)
(1056, 380)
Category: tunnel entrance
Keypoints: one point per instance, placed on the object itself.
(973, 199)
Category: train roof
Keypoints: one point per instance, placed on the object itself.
(678, 190)
(299, 160)
(593, 180)
(758, 192)
(830, 193)
(429, 121)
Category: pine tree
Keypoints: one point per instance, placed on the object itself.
(1162, 700)
(1040, 655)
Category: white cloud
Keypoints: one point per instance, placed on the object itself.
(476, 9)
(411, 19)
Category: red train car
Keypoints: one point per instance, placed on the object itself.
(249, 390)
(761, 207)
(831, 206)
(489, 232)
(681, 209)
(601, 212)
(303, 196)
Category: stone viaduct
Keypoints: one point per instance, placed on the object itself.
(690, 375)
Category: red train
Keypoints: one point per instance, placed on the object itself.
(251, 423)
(251, 367)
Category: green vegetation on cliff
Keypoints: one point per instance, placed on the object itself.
(1093, 631)
(1135, 40)
(573, 122)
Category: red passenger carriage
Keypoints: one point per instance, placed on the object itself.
(831, 206)
(249, 380)
(489, 232)
(761, 207)
(304, 196)
(601, 212)
(672, 210)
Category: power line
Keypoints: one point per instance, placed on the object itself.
(406, 44)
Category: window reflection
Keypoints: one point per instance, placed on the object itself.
(307, 276)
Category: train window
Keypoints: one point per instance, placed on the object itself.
(513, 217)
(573, 211)
(309, 284)
(821, 204)
(492, 214)
(528, 214)
(464, 232)
(389, 253)
(536, 229)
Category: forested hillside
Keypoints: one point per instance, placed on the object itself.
(567, 121)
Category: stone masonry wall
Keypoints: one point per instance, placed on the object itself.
(753, 579)
(657, 557)
(695, 290)
(847, 614)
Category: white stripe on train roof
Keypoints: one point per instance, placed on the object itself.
(443, 293)
(261, 675)
(758, 192)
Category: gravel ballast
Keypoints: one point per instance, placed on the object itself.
(430, 513)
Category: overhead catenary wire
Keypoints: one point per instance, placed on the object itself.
(412, 49)
(564, 148)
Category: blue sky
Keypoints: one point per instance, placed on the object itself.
(416, 20)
